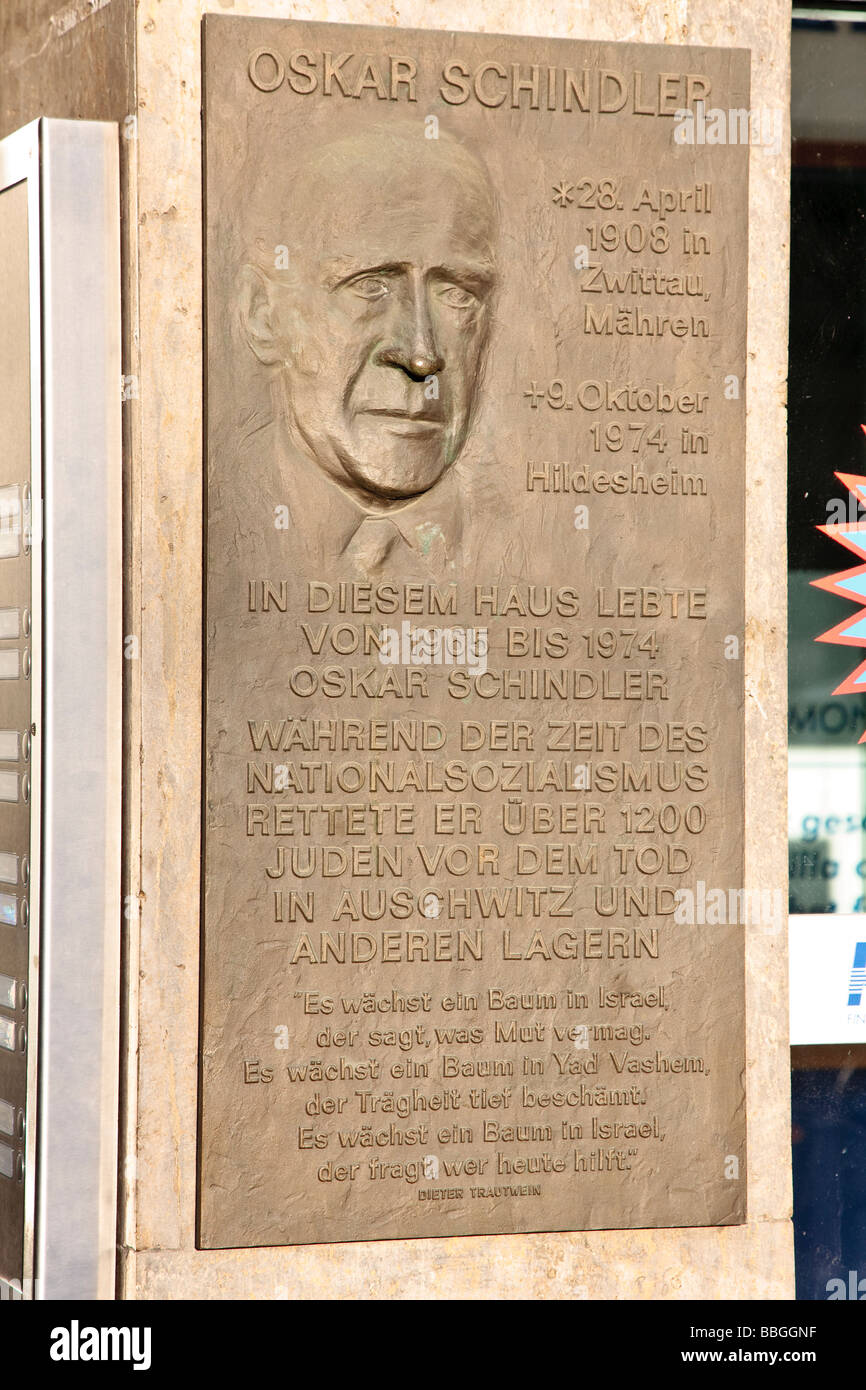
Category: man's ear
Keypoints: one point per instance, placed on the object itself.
(257, 312)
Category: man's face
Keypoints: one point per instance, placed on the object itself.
(384, 317)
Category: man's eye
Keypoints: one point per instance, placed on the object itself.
(370, 287)
(456, 297)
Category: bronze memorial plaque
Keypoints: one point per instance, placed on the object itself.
(473, 907)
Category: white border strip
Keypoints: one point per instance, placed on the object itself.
(19, 161)
(81, 902)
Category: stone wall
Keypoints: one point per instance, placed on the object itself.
(162, 859)
(122, 59)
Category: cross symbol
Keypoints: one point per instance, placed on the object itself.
(535, 395)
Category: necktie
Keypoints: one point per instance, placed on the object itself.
(371, 548)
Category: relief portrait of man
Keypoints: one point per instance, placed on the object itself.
(366, 297)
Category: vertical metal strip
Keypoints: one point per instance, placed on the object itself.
(21, 713)
(79, 1043)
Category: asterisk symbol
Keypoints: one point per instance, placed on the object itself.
(562, 193)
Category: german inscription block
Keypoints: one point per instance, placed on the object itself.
(473, 903)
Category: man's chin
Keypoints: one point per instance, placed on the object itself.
(399, 477)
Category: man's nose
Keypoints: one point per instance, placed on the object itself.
(412, 344)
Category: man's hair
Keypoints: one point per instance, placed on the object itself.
(272, 212)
